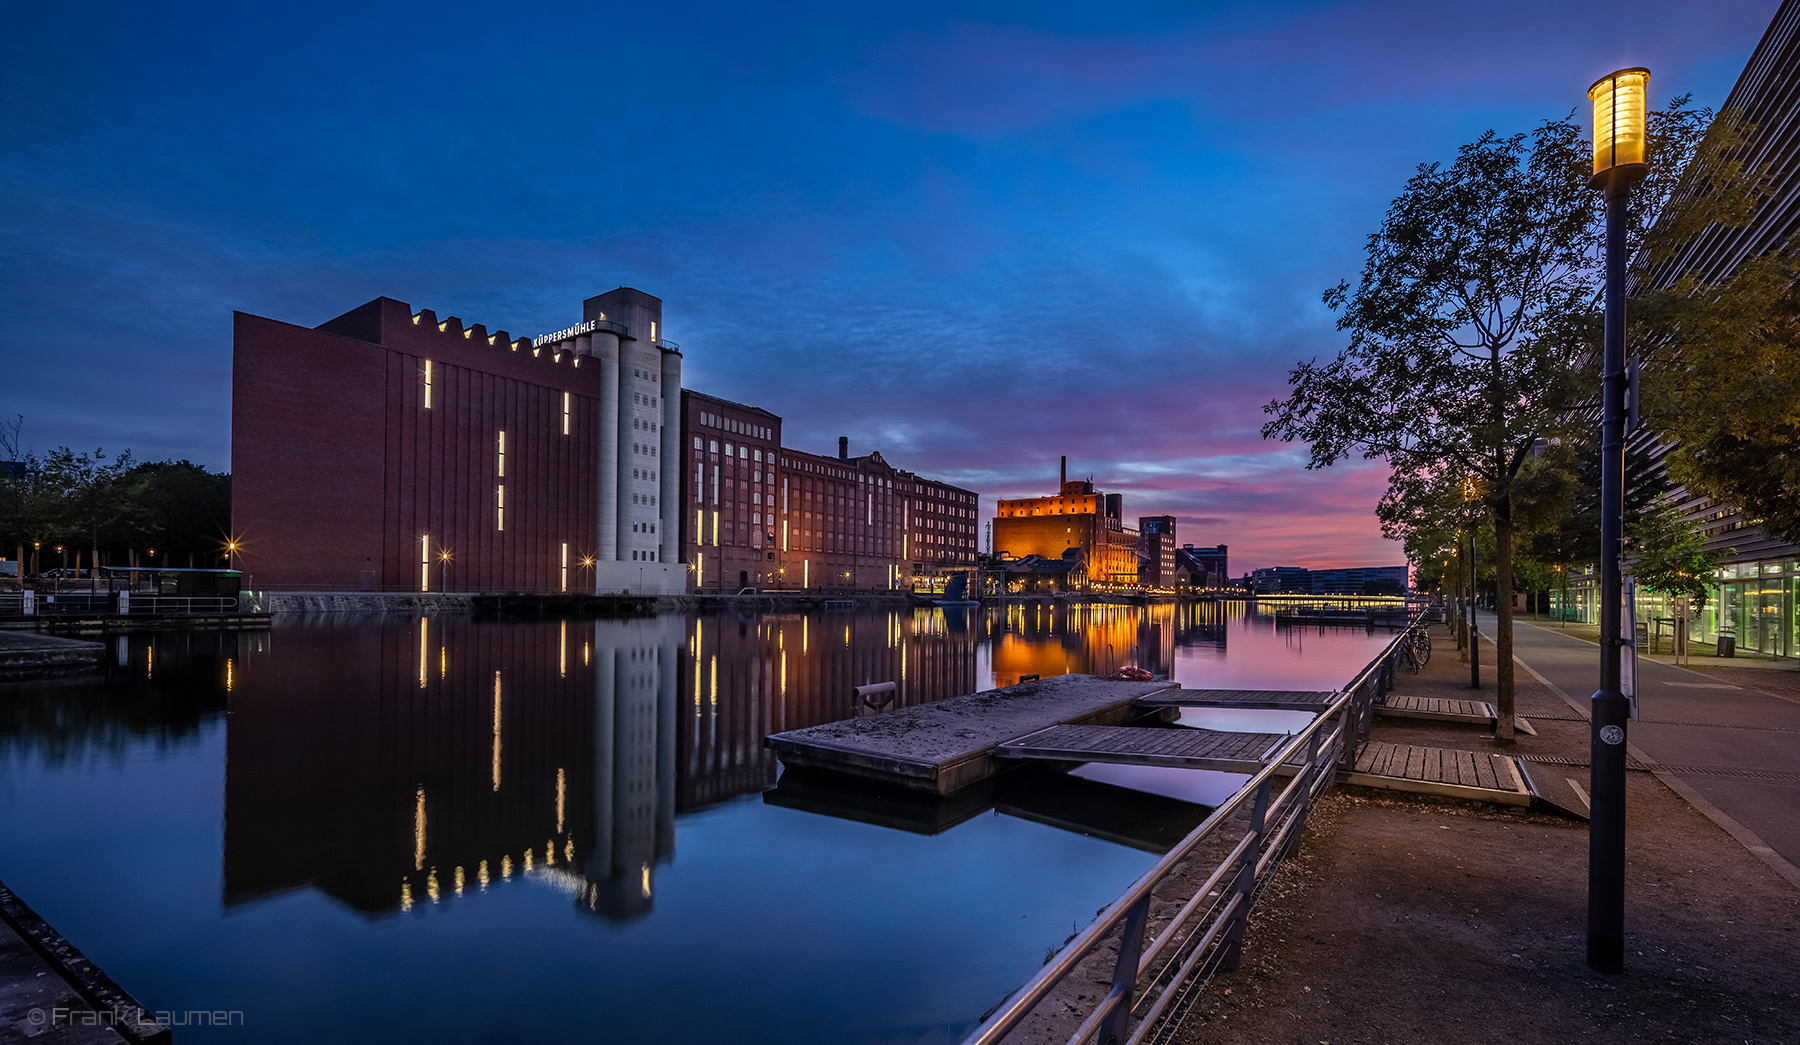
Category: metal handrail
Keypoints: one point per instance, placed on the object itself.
(1321, 748)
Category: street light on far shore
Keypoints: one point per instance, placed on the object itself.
(1621, 136)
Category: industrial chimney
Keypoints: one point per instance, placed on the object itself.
(1063, 480)
(843, 448)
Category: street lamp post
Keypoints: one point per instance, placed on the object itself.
(1469, 491)
(1620, 101)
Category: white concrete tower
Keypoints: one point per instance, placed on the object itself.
(644, 429)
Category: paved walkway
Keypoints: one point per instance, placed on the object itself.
(1732, 752)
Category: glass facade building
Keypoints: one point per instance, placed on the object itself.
(1754, 602)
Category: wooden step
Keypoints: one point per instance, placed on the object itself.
(1441, 771)
(1437, 709)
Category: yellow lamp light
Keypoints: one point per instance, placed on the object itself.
(1620, 108)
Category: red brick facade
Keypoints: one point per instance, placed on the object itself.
(365, 450)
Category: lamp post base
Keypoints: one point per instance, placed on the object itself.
(1606, 954)
(1606, 834)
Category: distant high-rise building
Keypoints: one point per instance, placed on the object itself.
(1156, 547)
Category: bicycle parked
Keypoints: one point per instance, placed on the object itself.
(1415, 648)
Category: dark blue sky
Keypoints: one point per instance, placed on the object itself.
(972, 237)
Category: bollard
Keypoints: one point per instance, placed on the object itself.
(875, 696)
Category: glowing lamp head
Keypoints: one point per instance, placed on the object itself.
(1620, 108)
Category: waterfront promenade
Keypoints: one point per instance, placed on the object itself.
(1730, 750)
(1420, 920)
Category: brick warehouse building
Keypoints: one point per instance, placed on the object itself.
(390, 450)
(1076, 521)
(727, 523)
(764, 516)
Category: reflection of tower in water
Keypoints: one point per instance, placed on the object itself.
(397, 767)
(636, 665)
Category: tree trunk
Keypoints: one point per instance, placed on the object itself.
(1503, 628)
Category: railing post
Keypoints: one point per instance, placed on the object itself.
(1308, 778)
(1244, 884)
(1125, 971)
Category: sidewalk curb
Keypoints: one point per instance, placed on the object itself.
(1743, 835)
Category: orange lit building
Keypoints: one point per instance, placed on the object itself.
(1077, 519)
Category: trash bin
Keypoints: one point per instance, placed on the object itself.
(1727, 645)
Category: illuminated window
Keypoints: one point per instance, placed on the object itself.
(500, 507)
(424, 562)
(500, 455)
(565, 413)
(565, 567)
(428, 384)
(653, 331)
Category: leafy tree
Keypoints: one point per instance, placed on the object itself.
(1470, 336)
(1724, 386)
(1722, 358)
(182, 509)
(1667, 556)
(1474, 335)
(80, 498)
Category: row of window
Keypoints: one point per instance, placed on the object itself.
(755, 431)
(744, 453)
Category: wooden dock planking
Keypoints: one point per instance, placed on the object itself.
(1144, 746)
(947, 746)
(1441, 771)
(1475, 712)
(1255, 699)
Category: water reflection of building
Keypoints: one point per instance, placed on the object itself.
(402, 765)
(396, 766)
(750, 677)
(1058, 638)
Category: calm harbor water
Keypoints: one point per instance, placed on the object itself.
(460, 831)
